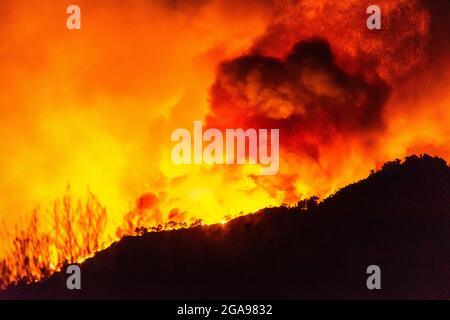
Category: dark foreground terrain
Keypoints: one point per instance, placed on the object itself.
(398, 219)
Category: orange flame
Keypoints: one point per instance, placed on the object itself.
(95, 107)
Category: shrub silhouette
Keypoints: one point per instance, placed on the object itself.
(38, 250)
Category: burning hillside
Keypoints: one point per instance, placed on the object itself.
(398, 218)
(95, 108)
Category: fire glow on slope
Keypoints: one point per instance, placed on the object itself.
(95, 108)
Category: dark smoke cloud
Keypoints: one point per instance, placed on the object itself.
(439, 45)
(305, 94)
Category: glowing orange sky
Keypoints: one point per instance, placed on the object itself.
(94, 108)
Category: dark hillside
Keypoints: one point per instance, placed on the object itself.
(398, 218)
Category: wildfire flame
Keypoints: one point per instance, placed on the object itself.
(94, 108)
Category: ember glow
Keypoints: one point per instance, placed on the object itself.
(95, 108)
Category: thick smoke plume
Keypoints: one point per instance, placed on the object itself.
(305, 94)
(95, 109)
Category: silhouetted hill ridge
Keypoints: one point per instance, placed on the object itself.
(397, 218)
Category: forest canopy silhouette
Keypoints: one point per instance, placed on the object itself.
(398, 218)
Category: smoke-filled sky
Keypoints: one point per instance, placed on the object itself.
(94, 108)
